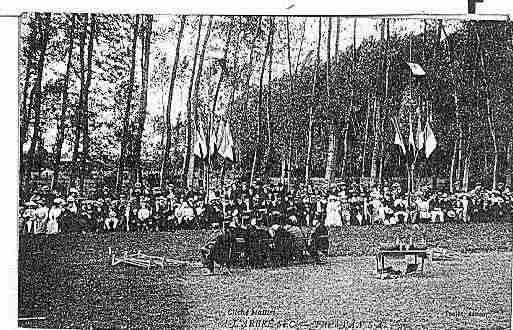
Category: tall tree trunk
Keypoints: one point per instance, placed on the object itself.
(126, 117)
(466, 170)
(36, 103)
(195, 99)
(453, 166)
(466, 173)
(235, 86)
(237, 74)
(384, 101)
(312, 106)
(145, 62)
(188, 123)
(375, 149)
(61, 127)
(490, 116)
(366, 135)
(459, 168)
(509, 161)
(24, 109)
(169, 129)
(78, 111)
(222, 72)
(259, 119)
(250, 67)
(349, 113)
(291, 101)
(267, 155)
(300, 47)
(377, 115)
(291, 95)
(249, 74)
(85, 105)
(332, 144)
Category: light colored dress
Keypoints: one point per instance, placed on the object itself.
(378, 211)
(41, 218)
(333, 218)
(52, 227)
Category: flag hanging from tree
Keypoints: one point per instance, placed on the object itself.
(420, 135)
(200, 145)
(225, 146)
(416, 69)
(398, 138)
(430, 140)
(212, 145)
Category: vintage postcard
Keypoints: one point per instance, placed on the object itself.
(242, 171)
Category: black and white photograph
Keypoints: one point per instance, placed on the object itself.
(208, 171)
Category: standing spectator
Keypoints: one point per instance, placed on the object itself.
(41, 217)
(333, 217)
(111, 222)
(54, 216)
(84, 219)
(68, 215)
(29, 216)
(143, 216)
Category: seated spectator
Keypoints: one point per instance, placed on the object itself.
(319, 242)
(423, 209)
(400, 210)
(299, 239)
(436, 210)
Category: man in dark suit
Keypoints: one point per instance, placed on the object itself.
(319, 241)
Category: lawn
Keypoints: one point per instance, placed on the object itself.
(472, 292)
(68, 280)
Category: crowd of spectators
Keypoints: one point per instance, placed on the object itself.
(142, 208)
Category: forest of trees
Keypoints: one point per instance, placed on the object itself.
(121, 96)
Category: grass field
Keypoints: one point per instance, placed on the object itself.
(68, 280)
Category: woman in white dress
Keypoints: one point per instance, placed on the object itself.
(333, 218)
(52, 227)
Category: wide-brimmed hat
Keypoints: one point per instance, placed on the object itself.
(58, 201)
(30, 204)
(375, 194)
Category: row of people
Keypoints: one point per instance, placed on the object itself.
(152, 210)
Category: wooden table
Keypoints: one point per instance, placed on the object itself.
(380, 256)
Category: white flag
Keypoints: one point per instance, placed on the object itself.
(200, 145)
(416, 69)
(420, 135)
(398, 138)
(430, 140)
(213, 141)
(225, 144)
